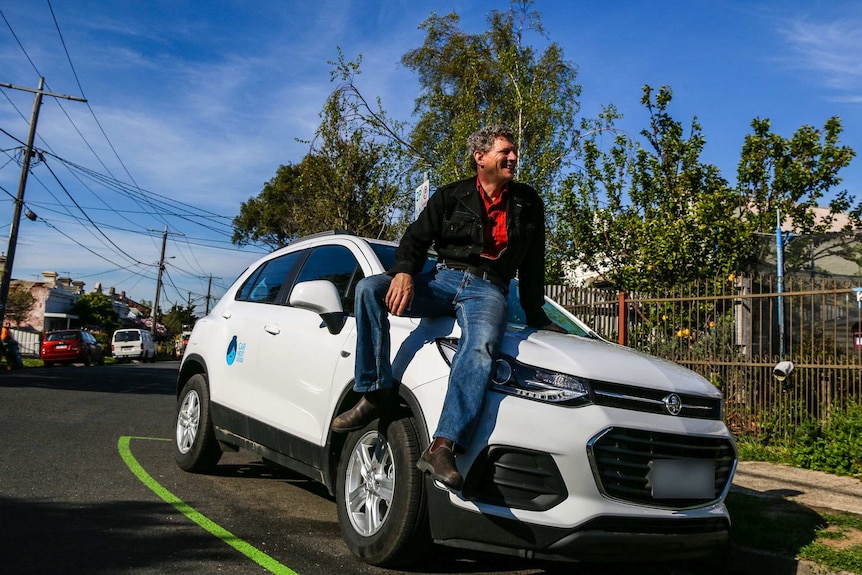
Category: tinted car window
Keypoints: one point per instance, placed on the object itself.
(265, 283)
(127, 336)
(386, 255)
(62, 335)
(336, 264)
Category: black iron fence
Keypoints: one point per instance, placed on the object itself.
(735, 331)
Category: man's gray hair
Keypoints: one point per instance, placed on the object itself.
(483, 140)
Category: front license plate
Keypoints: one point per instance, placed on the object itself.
(682, 478)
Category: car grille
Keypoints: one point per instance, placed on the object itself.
(653, 401)
(516, 478)
(621, 460)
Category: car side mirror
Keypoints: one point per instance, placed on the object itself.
(321, 297)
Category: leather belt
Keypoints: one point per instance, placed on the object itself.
(479, 273)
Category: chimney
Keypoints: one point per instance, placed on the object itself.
(79, 286)
(112, 293)
(50, 279)
(64, 281)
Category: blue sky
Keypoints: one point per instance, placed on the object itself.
(192, 106)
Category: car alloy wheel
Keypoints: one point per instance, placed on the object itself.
(195, 446)
(188, 421)
(380, 494)
(370, 483)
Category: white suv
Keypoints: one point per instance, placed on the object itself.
(585, 450)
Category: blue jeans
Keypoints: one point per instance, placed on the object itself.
(480, 308)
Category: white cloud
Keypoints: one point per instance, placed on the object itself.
(832, 50)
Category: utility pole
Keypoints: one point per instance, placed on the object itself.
(155, 312)
(6, 279)
(209, 297)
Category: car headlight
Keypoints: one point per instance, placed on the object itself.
(515, 378)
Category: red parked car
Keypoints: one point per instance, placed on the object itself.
(71, 346)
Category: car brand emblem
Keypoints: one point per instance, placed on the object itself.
(672, 403)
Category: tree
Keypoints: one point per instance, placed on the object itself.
(649, 216)
(783, 180)
(97, 311)
(18, 304)
(347, 181)
(178, 317)
(270, 218)
(470, 80)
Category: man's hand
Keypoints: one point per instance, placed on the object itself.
(554, 327)
(400, 294)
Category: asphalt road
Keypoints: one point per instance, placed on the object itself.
(88, 485)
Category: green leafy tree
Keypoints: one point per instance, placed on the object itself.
(177, 317)
(649, 216)
(19, 302)
(95, 310)
(347, 181)
(782, 180)
(470, 80)
(271, 217)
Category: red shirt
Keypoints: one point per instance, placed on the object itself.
(496, 237)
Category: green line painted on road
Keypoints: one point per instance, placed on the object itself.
(246, 549)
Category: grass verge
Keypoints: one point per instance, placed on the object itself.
(774, 525)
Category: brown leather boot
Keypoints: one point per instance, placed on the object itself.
(367, 410)
(439, 461)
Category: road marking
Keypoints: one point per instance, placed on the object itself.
(226, 536)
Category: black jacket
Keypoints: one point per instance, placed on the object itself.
(453, 222)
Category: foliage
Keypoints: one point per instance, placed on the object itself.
(782, 180)
(832, 444)
(177, 317)
(347, 181)
(19, 302)
(470, 80)
(649, 217)
(97, 311)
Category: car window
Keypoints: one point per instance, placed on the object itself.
(127, 336)
(265, 283)
(338, 265)
(62, 335)
(386, 255)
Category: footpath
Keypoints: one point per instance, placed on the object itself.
(813, 489)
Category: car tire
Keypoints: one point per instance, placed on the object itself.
(380, 494)
(88, 361)
(195, 446)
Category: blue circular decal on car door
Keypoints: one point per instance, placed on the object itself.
(231, 351)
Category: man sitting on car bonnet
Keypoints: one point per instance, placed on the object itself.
(484, 230)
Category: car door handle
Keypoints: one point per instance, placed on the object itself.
(273, 329)
(226, 314)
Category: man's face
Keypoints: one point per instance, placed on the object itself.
(499, 161)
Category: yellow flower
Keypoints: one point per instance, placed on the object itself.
(712, 324)
(731, 277)
(664, 317)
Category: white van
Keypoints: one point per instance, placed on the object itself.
(133, 344)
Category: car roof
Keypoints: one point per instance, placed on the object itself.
(330, 233)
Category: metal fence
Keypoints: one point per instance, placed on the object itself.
(735, 330)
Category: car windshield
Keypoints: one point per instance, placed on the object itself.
(517, 316)
(62, 335)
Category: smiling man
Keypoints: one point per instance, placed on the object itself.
(485, 229)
